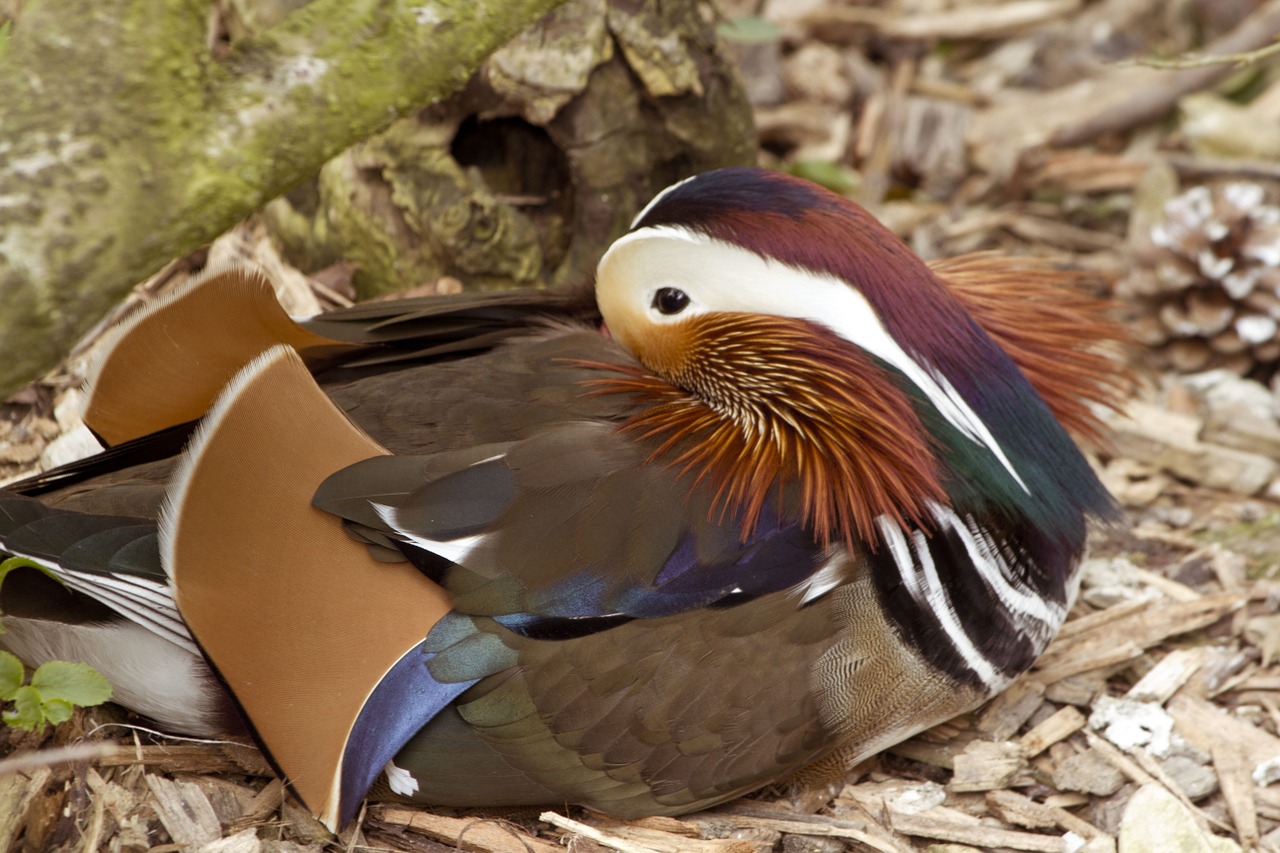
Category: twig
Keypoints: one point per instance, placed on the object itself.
(1216, 167)
(1158, 96)
(27, 761)
(165, 735)
(1196, 60)
(590, 832)
(986, 23)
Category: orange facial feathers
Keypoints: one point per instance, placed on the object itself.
(758, 401)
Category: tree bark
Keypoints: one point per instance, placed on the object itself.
(124, 143)
(527, 174)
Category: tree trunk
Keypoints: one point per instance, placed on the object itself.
(526, 175)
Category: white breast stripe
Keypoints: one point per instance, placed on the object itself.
(946, 614)
(453, 550)
(931, 595)
(901, 553)
(994, 570)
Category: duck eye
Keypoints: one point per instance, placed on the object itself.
(670, 300)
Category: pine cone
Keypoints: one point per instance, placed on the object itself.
(1207, 288)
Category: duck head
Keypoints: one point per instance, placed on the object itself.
(806, 342)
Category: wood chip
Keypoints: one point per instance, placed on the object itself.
(1012, 807)
(472, 834)
(867, 833)
(1167, 586)
(1117, 759)
(1118, 99)
(1115, 641)
(185, 812)
(94, 825)
(16, 794)
(1065, 722)
(1017, 810)
(1234, 771)
(985, 766)
(1169, 674)
(948, 825)
(188, 758)
(1095, 621)
(1008, 711)
(267, 802)
(1085, 658)
(1084, 171)
(1171, 441)
(1086, 772)
(1155, 822)
(122, 800)
(587, 831)
(1157, 772)
(938, 754)
(1144, 770)
(1205, 725)
(245, 841)
(658, 835)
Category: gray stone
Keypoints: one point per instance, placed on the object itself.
(1088, 773)
(1197, 781)
(1155, 822)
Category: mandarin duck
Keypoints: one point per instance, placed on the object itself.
(782, 494)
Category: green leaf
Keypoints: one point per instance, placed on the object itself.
(12, 563)
(27, 713)
(57, 711)
(11, 676)
(749, 30)
(77, 683)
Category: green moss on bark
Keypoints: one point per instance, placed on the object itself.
(124, 144)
